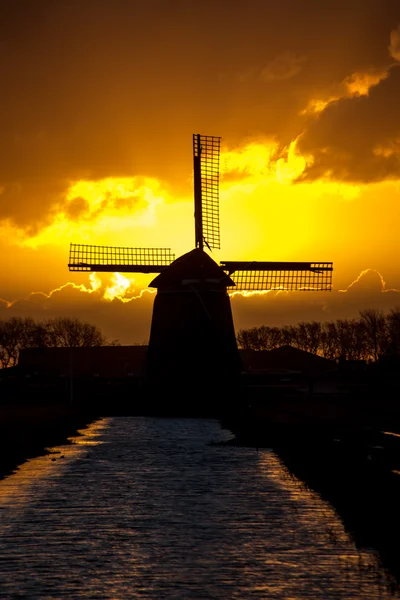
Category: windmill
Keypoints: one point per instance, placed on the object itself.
(192, 339)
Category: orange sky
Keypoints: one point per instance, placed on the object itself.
(101, 98)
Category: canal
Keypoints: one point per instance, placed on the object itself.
(143, 507)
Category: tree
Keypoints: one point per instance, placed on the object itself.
(375, 331)
(18, 333)
(393, 331)
(359, 340)
(259, 338)
(308, 336)
(249, 339)
(70, 333)
(288, 335)
(369, 337)
(329, 347)
(15, 333)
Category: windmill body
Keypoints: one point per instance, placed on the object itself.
(192, 337)
(192, 344)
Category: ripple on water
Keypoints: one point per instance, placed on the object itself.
(149, 508)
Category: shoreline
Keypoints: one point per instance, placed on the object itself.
(28, 430)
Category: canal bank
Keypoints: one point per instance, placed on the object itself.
(362, 483)
(355, 469)
(28, 429)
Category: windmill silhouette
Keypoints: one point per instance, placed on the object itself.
(192, 338)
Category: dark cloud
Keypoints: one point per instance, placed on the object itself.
(283, 66)
(32, 203)
(394, 46)
(77, 207)
(102, 88)
(356, 139)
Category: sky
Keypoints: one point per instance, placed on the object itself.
(100, 100)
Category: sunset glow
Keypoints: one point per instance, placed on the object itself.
(309, 165)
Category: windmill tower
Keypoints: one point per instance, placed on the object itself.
(192, 342)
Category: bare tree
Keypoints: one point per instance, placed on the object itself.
(262, 337)
(359, 340)
(375, 331)
(268, 337)
(329, 340)
(5, 357)
(246, 339)
(308, 336)
(369, 337)
(18, 333)
(275, 337)
(255, 338)
(15, 333)
(66, 332)
(393, 330)
(288, 335)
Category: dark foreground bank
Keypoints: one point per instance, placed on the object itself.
(356, 469)
(27, 430)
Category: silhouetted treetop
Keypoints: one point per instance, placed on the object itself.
(370, 337)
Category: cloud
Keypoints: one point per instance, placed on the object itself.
(394, 46)
(359, 84)
(354, 85)
(76, 208)
(261, 160)
(354, 134)
(283, 66)
(99, 108)
(85, 205)
(349, 142)
(31, 204)
(369, 280)
(91, 200)
(123, 312)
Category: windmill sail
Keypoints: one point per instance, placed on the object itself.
(206, 151)
(289, 276)
(119, 259)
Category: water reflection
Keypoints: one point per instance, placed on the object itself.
(35, 475)
(150, 508)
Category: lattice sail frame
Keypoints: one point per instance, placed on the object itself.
(120, 259)
(264, 276)
(206, 149)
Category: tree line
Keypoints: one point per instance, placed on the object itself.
(17, 333)
(369, 337)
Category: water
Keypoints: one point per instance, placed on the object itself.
(153, 508)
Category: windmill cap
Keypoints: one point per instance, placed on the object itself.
(192, 268)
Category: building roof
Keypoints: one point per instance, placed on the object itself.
(285, 357)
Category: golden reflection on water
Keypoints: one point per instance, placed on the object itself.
(18, 487)
(87, 436)
(318, 523)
